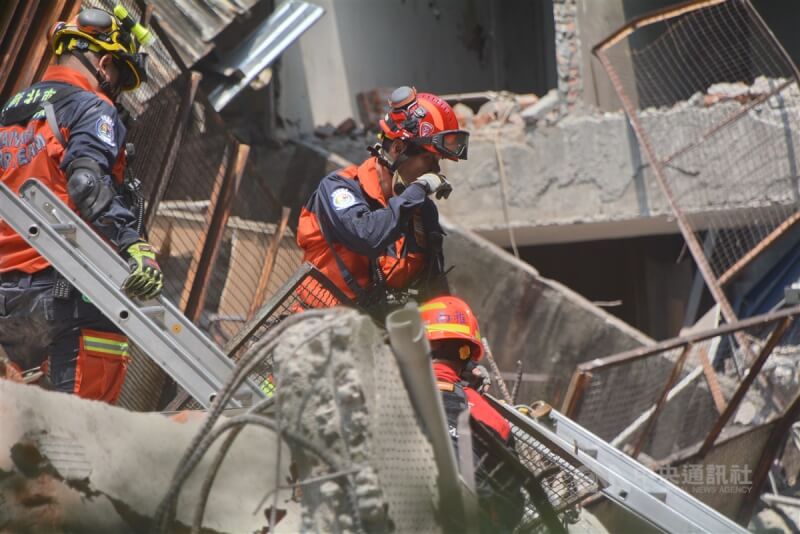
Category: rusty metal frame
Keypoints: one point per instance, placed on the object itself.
(662, 400)
(207, 249)
(752, 373)
(584, 372)
(678, 342)
(761, 472)
(600, 51)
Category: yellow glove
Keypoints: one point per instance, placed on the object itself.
(146, 280)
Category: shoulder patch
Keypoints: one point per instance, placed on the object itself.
(342, 198)
(105, 130)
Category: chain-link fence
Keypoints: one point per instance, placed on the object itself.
(713, 99)
(223, 239)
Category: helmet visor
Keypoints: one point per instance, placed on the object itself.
(451, 144)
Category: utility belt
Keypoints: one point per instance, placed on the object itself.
(62, 289)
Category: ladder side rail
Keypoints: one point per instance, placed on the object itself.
(625, 480)
(97, 271)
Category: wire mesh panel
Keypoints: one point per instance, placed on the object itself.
(318, 292)
(623, 392)
(723, 478)
(564, 483)
(713, 100)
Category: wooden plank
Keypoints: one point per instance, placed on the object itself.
(577, 385)
(21, 23)
(36, 48)
(269, 264)
(221, 201)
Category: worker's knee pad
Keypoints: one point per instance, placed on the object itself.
(101, 365)
(87, 188)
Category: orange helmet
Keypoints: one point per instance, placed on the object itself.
(451, 318)
(425, 120)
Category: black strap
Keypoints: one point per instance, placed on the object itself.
(361, 294)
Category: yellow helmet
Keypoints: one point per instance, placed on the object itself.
(101, 32)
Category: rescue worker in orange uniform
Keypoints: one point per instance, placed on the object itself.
(66, 132)
(372, 228)
(456, 348)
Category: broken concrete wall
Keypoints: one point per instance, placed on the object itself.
(530, 318)
(72, 465)
(583, 177)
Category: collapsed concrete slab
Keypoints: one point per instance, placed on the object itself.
(531, 318)
(71, 465)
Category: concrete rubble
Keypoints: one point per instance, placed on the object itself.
(70, 465)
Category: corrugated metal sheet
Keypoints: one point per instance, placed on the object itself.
(193, 24)
(259, 49)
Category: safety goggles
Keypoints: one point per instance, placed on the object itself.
(451, 144)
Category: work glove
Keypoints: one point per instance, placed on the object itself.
(435, 183)
(477, 377)
(146, 280)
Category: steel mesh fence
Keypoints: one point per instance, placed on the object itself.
(713, 99)
(724, 478)
(223, 240)
(619, 394)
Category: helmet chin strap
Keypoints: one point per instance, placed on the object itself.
(102, 82)
(398, 183)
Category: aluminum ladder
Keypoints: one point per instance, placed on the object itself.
(96, 270)
(621, 478)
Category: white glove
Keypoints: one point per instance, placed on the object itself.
(435, 183)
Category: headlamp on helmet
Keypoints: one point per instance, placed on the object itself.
(101, 32)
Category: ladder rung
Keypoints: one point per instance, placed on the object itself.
(155, 312)
(64, 228)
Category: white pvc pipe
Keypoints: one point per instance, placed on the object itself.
(412, 350)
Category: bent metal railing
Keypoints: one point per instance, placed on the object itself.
(664, 403)
(712, 97)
